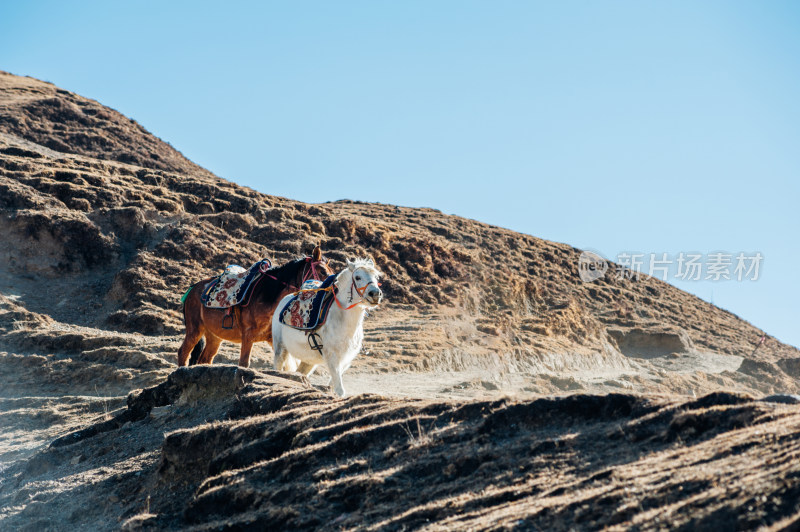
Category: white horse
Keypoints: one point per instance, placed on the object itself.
(357, 290)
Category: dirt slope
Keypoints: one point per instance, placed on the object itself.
(123, 241)
(68, 123)
(103, 226)
(278, 454)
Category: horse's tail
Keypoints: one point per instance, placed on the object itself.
(196, 352)
(185, 295)
(195, 356)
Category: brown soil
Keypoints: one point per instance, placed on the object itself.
(102, 228)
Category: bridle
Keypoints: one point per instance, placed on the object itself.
(359, 291)
(310, 270)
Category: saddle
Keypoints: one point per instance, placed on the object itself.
(308, 309)
(234, 285)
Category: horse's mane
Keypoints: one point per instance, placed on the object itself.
(285, 275)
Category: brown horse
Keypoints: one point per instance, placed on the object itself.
(252, 323)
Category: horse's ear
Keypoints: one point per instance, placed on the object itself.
(316, 254)
(351, 265)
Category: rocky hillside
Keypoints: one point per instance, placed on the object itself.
(121, 223)
(102, 228)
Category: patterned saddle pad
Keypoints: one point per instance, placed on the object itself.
(307, 311)
(234, 286)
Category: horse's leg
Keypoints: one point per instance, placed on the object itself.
(210, 350)
(194, 326)
(290, 364)
(198, 349)
(336, 375)
(193, 336)
(247, 345)
(306, 369)
(346, 366)
(281, 355)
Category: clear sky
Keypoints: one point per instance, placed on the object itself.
(636, 127)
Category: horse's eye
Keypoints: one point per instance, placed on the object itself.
(358, 277)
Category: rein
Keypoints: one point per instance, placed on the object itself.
(308, 273)
(311, 272)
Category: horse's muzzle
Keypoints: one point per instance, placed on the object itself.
(373, 295)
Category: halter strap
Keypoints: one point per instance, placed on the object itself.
(340, 305)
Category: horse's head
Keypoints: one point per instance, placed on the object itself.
(315, 267)
(358, 283)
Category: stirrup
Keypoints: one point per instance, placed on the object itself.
(314, 342)
(225, 317)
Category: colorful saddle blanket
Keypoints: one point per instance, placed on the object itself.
(309, 310)
(234, 286)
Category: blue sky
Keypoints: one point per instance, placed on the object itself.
(616, 126)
